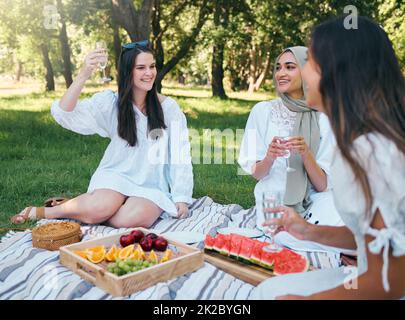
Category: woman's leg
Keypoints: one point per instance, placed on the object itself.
(136, 212)
(95, 207)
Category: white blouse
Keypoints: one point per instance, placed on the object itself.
(262, 126)
(156, 169)
(384, 165)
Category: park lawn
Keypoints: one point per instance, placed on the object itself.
(39, 159)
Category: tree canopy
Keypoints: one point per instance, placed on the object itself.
(221, 44)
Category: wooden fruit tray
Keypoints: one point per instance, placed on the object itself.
(188, 259)
(252, 274)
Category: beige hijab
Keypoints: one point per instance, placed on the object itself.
(306, 125)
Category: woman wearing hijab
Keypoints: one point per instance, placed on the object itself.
(310, 145)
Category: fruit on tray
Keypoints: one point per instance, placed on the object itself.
(126, 240)
(126, 252)
(160, 244)
(112, 254)
(167, 256)
(96, 254)
(146, 244)
(152, 257)
(137, 235)
(153, 236)
(122, 267)
(249, 251)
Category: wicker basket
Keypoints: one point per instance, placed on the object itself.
(53, 235)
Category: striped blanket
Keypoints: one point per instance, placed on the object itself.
(31, 273)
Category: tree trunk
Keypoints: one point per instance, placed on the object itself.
(217, 68)
(252, 69)
(218, 71)
(264, 73)
(49, 76)
(135, 22)
(187, 43)
(64, 42)
(19, 71)
(157, 41)
(116, 40)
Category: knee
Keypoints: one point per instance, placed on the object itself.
(130, 217)
(96, 212)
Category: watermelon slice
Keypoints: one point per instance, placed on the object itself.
(267, 259)
(226, 248)
(246, 249)
(219, 242)
(236, 242)
(209, 242)
(288, 261)
(257, 252)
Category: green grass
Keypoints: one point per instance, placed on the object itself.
(39, 159)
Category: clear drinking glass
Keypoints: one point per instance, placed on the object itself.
(271, 200)
(102, 65)
(285, 133)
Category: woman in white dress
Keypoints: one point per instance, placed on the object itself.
(311, 146)
(146, 169)
(354, 77)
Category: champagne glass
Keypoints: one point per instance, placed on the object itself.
(271, 199)
(102, 65)
(285, 134)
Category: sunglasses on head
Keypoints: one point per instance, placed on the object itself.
(132, 45)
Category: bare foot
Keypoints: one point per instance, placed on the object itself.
(23, 216)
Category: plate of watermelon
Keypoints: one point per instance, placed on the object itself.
(249, 252)
(246, 232)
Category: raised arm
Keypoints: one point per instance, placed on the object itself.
(71, 96)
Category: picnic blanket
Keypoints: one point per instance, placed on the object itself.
(30, 273)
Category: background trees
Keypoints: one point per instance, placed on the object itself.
(224, 45)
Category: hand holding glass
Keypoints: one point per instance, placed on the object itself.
(285, 134)
(102, 65)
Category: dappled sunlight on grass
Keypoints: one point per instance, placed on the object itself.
(40, 159)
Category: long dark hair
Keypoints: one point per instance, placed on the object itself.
(126, 112)
(362, 87)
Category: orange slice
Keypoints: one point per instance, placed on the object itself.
(135, 255)
(82, 253)
(167, 256)
(141, 253)
(97, 249)
(126, 252)
(112, 254)
(152, 257)
(96, 257)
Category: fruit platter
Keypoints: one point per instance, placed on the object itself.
(245, 258)
(128, 262)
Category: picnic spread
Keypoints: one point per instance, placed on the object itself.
(27, 272)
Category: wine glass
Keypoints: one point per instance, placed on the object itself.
(271, 199)
(102, 65)
(285, 133)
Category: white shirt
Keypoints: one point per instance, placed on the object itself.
(159, 170)
(384, 165)
(263, 124)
